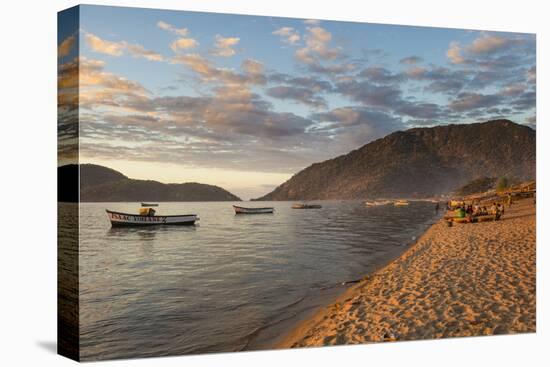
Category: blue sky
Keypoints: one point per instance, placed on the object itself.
(244, 102)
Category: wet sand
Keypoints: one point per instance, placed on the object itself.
(466, 280)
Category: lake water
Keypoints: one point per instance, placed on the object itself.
(231, 282)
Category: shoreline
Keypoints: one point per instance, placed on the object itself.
(334, 293)
(418, 295)
(300, 329)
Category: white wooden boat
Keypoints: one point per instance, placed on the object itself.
(306, 206)
(129, 220)
(401, 203)
(242, 210)
(377, 203)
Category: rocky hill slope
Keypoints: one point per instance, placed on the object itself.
(98, 183)
(419, 162)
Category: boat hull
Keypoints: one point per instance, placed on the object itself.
(306, 206)
(241, 210)
(377, 203)
(133, 220)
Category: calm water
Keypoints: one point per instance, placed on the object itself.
(229, 283)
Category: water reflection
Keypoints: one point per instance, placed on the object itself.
(171, 290)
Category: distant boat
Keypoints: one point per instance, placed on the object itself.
(149, 204)
(148, 218)
(401, 203)
(306, 206)
(377, 202)
(241, 210)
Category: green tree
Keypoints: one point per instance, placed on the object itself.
(502, 183)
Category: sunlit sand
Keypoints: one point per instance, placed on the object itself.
(465, 280)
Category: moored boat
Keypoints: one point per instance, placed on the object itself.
(148, 218)
(149, 204)
(401, 203)
(306, 206)
(377, 202)
(242, 210)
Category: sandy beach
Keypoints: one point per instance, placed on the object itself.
(466, 280)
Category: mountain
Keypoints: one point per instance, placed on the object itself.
(98, 183)
(481, 184)
(419, 162)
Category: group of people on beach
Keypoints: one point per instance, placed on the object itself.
(475, 209)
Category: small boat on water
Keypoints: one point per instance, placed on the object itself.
(242, 210)
(147, 217)
(149, 204)
(377, 202)
(306, 206)
(401, 203)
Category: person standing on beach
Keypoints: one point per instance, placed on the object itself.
(437, 207)
(498, 213)
(500, 208)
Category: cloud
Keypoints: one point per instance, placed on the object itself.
(440, 79)
(384, 93)
(369, 94)
(103, 46)
(532, 74)
(317, 52)
(232, 109)
(525, 101)
(312, 21)
(353, 115)
(372, 54)
(68, 110)
(208, 72)
(224, 46)
(420, 110)
(297, 94)
(288, 35)
(302, 89)
(232, 113)
(310, 82)
(411, 60)
(64, 49)
(98, 88)
(454, 54)
(493, 50)
(183, 44)
(230, 121)
(253, 67)
(317, 41)
(488, 43)
(111, 48)
(470, 101)
(195, 62)
(358, 125)
(182, 32)
(319, 56)
(513, 90)
(139, 51)
(377, 74)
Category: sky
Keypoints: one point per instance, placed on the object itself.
(245, 102)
